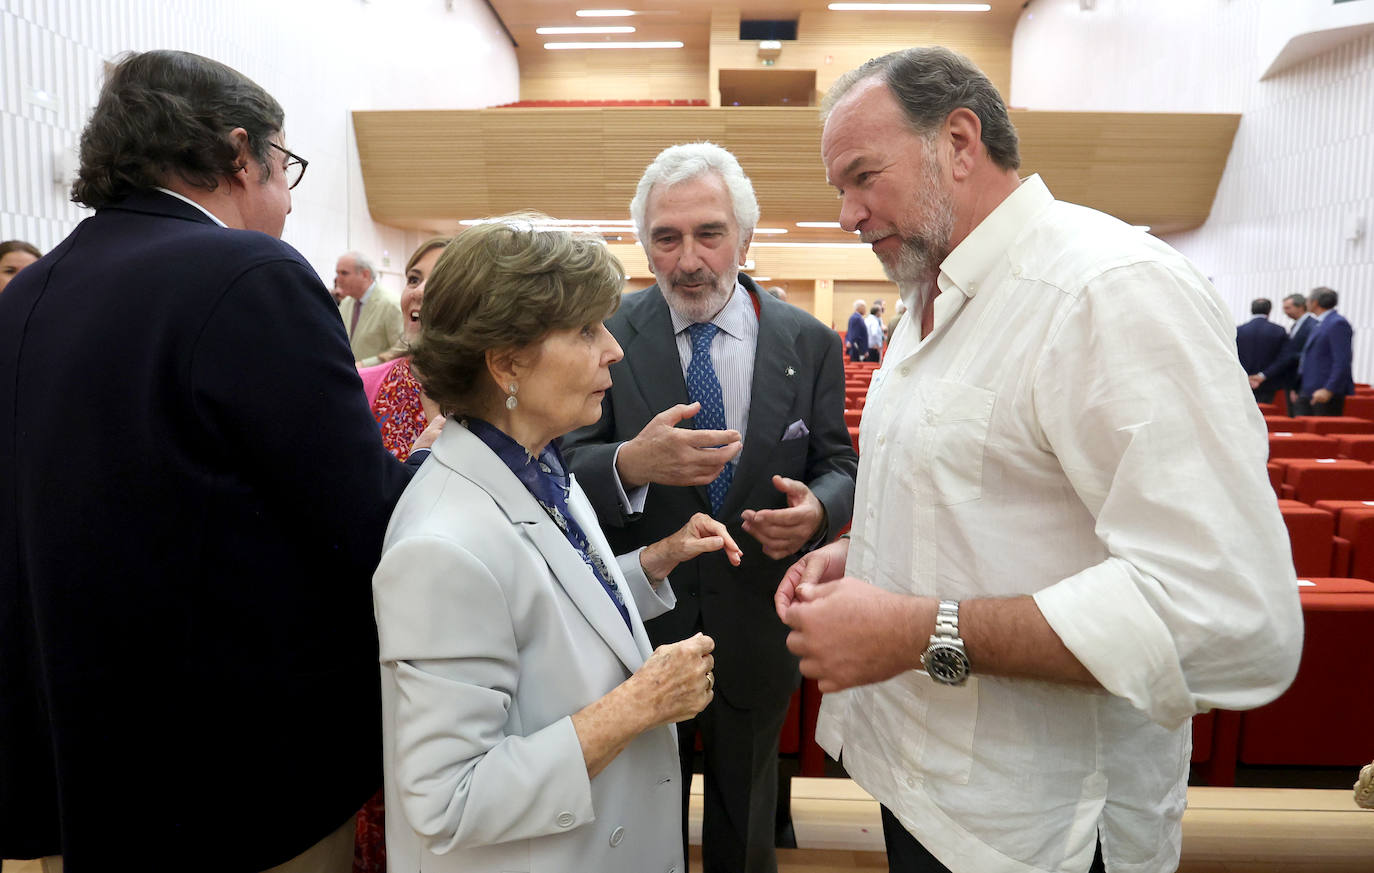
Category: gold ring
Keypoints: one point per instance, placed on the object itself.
(710, 680)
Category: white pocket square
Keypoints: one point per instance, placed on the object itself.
(796, 430)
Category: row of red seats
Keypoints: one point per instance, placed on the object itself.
(1323, 719)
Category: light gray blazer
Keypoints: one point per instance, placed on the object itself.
(380, 325)
(493, 633)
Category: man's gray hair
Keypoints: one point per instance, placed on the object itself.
(930, 82)
(683, 163)
(1326, 298)
(363, 263)
(1297, 300)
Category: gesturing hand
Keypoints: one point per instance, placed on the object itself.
(784, 531)
(848, 632)
(665, 454)
(823, 565)
(700, 534)
(676, 681)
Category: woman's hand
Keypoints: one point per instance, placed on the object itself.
(674, 684)
(700, 534)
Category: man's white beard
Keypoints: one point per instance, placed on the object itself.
(702, 308)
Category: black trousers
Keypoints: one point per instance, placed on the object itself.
(740, 790)
(1305, 406)
(905, 854)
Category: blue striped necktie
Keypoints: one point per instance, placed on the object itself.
(703, 387)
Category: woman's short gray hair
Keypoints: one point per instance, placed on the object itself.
(930, 82)
(682, 163)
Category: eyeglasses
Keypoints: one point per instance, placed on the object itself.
(295, 166)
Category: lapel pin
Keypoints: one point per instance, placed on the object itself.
(791, 371)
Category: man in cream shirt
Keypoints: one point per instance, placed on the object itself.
(1075, 537)
(371, 314)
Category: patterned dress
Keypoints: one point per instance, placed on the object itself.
(394, 394)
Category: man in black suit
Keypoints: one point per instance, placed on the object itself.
(1259, 341)
(731, 403)
(1282, 373)
(194, 501)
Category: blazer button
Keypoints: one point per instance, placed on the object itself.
(565, 819)
(617, 835)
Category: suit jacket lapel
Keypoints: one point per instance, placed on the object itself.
(657, 368)
(459, 450)
(776, 371)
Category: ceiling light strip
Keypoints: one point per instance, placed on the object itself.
(555, 46)
(909, 7)
(571, 31)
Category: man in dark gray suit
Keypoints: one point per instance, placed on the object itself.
(731, 403)
(1282, 372)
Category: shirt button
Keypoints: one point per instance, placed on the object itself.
(565, 819)
(904, 369)
(617, 835)
(882, 439)
(911, 782)
(929, 416)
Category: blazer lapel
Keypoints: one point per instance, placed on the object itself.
(459, 450)
(776, 371)
(657, 369)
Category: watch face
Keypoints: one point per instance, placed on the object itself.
(946, 664)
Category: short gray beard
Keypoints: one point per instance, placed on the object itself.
(703, 308)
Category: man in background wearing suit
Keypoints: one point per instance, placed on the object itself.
(1259, 341)
(187, 648)
(1281, 373)
(371, 314)
(732, 403)
(1325, 369)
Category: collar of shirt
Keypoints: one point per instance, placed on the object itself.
(973, 259)
(1318, 317)
(367, 295)
(1261, 317)
(729, 319)
(184, 199)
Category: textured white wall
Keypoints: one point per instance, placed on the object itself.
(1301, 167)
(321, 59)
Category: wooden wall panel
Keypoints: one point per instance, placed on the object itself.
(640, 74)
(430, 169)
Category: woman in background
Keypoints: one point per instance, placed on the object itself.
(398, 402)
(526, 723)
(15, 255)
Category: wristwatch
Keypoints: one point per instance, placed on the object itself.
(945, 659)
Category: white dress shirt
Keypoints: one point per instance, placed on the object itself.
(1075, 427)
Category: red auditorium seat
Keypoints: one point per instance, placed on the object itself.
(1270, 409)
(1357, 526)
(1276, 478)
(1313, 479)
(852, 417)
(1324, 718)
(1336, 424)
(1309, 533)
(1302, 445)
(1336, 507)
(1360, 406)
(1356, 446)
(1283, 424)
(854, 437)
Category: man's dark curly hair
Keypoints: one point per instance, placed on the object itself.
(169, 113)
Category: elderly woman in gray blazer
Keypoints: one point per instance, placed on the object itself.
(527, 723)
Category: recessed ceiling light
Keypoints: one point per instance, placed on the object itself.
(553, 46)
(770, 230)
(564, 31)
(604, 13)
(818, 224)
(908, 7)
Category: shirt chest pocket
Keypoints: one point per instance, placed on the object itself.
(944, 437)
